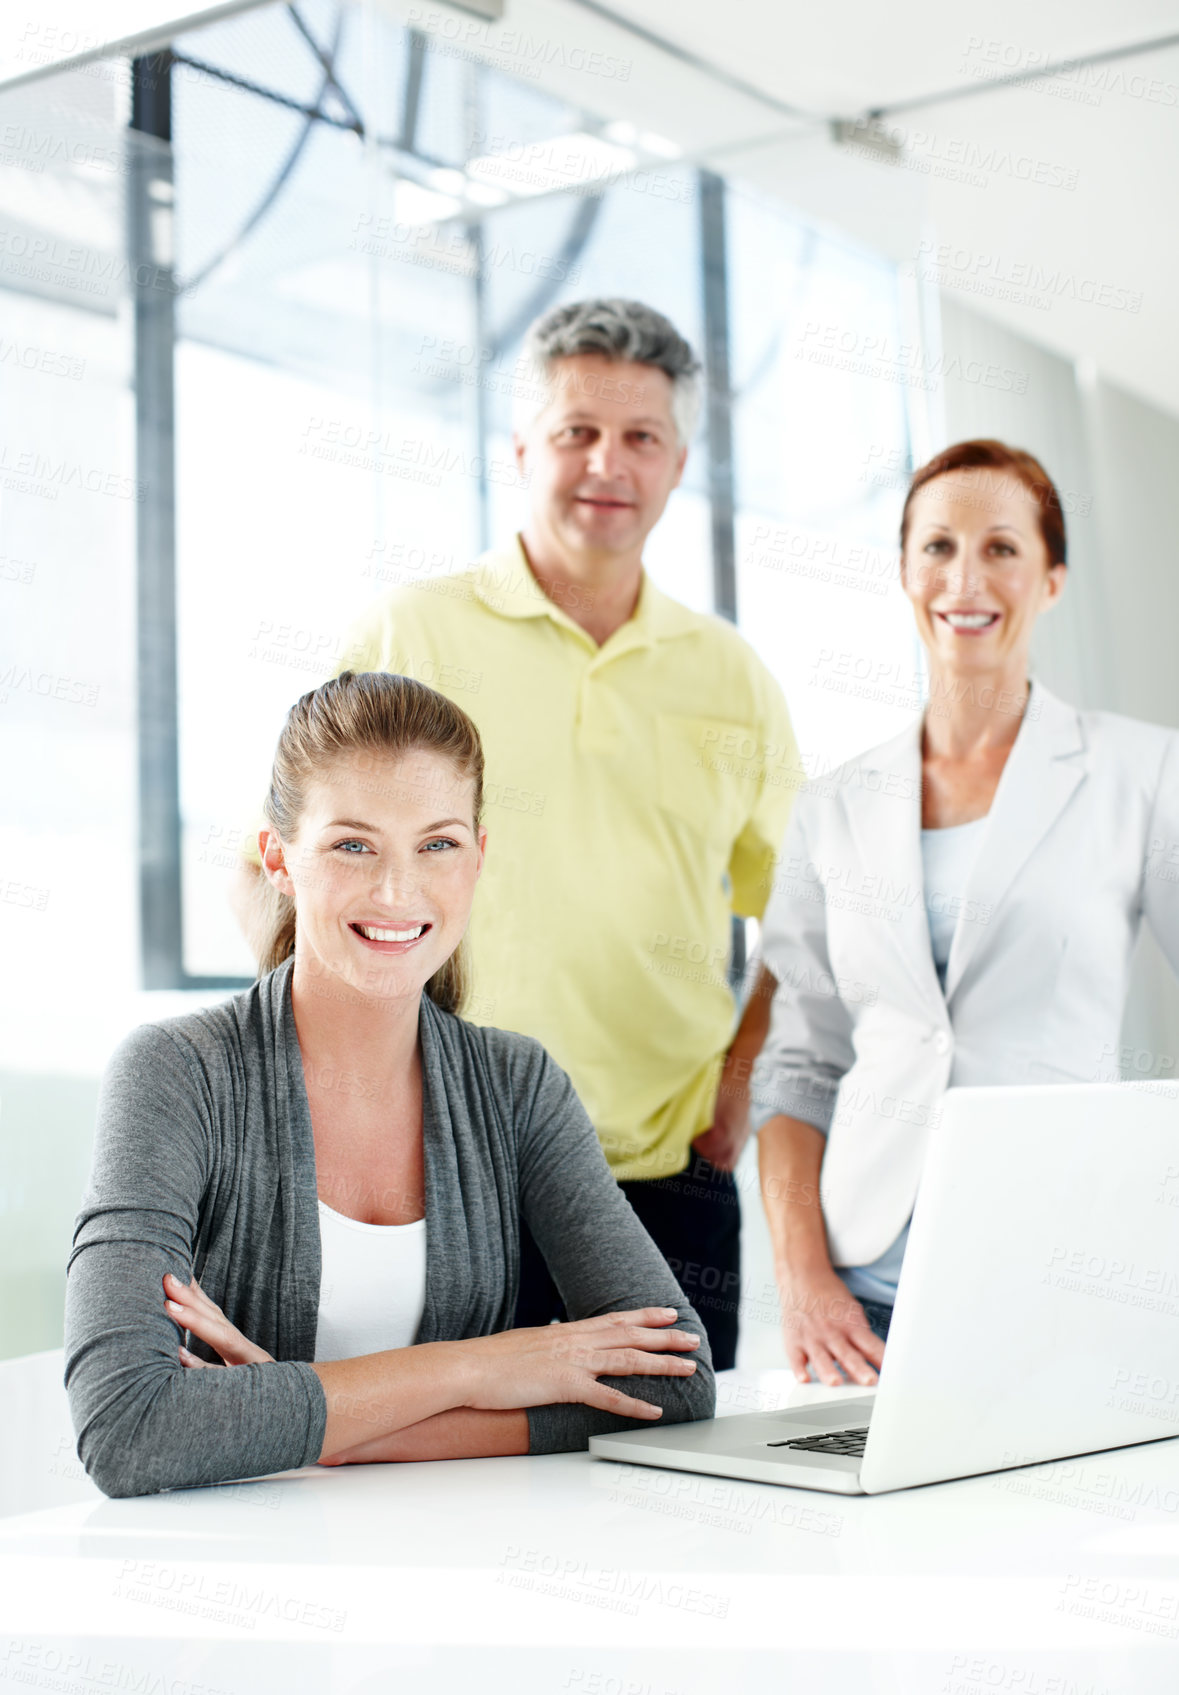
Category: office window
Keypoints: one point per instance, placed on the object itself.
(821, 429)
(362, 224)
(69, 501)
(345, 364)
(318, 458)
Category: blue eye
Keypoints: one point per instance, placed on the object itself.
(349, 847)
(439, 842)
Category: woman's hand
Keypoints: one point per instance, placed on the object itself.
(822, 1323)
(189, 1307)
(563, 1362)
(825, 1327)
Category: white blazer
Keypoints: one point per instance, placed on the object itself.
(1081, 842)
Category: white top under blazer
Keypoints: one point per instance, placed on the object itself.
(372, 1287)
(1081, 843)
(947, 861)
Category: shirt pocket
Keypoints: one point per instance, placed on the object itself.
(708, 773)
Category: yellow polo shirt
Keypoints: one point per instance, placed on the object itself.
(635, 794)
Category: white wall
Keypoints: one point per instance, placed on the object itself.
(1135, 451)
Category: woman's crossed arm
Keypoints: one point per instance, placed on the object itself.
(447, 1400)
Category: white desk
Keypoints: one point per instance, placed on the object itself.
(566, 1574)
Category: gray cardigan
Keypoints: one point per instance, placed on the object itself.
(204, 1161)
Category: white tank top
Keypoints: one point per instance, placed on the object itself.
(372, 1290)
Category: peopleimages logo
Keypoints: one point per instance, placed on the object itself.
(530, 54)
(990, 273)
(975, 1674)
(958, 157)
(1106, 1277)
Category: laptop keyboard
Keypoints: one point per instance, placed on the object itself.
(850, 1442)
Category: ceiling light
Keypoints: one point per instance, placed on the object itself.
(625, 134)
(413, 204)
(659, 145)
(445, 179)
(482, 194)
(869, 137)
(562, 161)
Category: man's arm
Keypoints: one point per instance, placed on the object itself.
(722, 1142)
(751, 875)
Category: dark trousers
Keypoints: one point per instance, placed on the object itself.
(694, 1219)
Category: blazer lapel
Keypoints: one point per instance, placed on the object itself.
(884, 808)
(1043, 771)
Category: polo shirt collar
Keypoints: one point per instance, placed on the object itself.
(504, 582)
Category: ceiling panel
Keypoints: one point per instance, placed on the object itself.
(858, 55)
(39, 36)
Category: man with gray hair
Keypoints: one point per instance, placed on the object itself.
(639, 775)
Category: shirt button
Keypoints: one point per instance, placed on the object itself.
(941, 1042)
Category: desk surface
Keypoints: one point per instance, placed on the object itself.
(564, 1573)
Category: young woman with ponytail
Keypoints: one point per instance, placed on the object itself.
(300, 1238)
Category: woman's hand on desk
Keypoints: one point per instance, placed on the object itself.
(825, 1328)
(187, 1305)
(563, 1362)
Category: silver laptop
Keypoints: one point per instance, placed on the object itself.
(1037, 1315)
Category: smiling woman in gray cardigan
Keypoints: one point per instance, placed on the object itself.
(205, 1167)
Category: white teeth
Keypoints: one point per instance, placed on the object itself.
(969, 620)
(374, 935)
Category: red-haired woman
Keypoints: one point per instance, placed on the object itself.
(344, 1162)
(957, 906)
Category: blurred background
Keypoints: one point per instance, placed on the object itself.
(264, 272)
